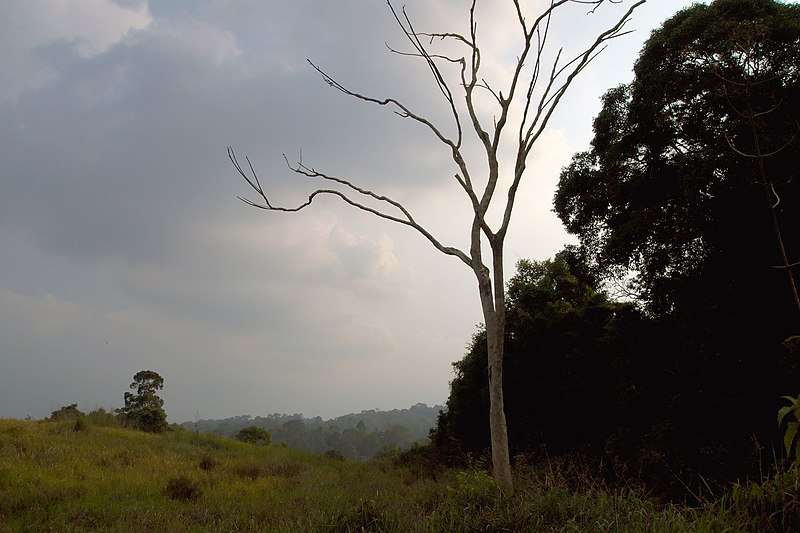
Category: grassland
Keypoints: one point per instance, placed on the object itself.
(59, 476)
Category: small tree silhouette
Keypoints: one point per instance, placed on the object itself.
(144, 409)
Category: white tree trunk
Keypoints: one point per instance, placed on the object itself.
(493, 304)
(536, 113)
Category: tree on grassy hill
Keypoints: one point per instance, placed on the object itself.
(507, 118)
(67, 412)
(144, 409)
(254, 435)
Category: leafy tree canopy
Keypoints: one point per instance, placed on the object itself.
(562, 335)
(254, 435)
(690, 179)
(673, 184)
(144, 409)
(66, 412)
(689, 190)
(677, 401)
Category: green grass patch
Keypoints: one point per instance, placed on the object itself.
(54, 477)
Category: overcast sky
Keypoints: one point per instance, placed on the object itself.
(123, 244)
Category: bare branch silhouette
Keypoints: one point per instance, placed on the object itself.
(537, 90)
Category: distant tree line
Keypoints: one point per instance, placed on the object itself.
(356, 436)
(687, 211)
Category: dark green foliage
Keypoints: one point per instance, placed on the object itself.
(67, 412)
(334, 455)
(561, 348)
(101, 417)
(563, 342)
(772, 505)
(183, 489)
(590, 375)
(463, 428)
(422, 462)
(81, 424)
(792, 345)
(207, 463)
(151, 419)
(254, 435)
(671, 194)
(790, 416)
(669, 188)
(73, 414)
(144, 409)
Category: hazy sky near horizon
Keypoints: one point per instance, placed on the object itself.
(125, 248)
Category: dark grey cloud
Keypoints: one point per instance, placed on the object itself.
(124, 142)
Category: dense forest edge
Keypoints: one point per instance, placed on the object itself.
(664, 343)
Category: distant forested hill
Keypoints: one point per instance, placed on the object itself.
(356, 435)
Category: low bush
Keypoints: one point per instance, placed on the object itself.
(207, 463)
(81, 424)
(334, 455)
(254, 435)
(183, 489)
(66, 412)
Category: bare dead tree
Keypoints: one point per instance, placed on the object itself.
(536, 87)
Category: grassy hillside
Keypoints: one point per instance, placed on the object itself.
(59, 476)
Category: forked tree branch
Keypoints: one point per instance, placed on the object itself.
(548, 102)
(532, 124)
(407, 220)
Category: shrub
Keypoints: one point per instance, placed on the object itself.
(66, 412)
(254, 435)
(388, 453)
(80, 424)
(183, 489)
(207, 463)
(101, 417)
(334, 455)
(421, 461)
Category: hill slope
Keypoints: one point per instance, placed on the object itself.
(54, 478)
(70, 476)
